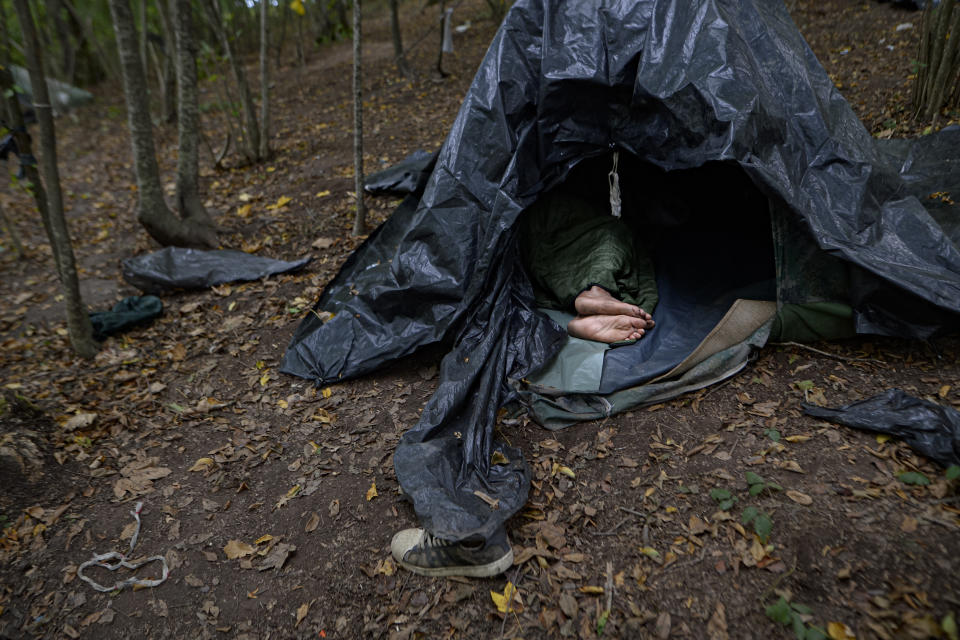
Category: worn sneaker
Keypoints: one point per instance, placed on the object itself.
(421, 552)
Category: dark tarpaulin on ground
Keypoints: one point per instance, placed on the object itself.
(128, 313)
(674, 84)
(930, 428)
(179, 268)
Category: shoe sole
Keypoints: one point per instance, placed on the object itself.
(469, 571)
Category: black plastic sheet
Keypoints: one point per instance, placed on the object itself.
(179, 268)
(930, 428)
(674, 85)
(407, 176)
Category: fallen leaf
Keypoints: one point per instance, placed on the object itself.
(592, 590)
(237, 549)
(334, 508)
(509, 600)
(839, 631)
(263, 538)
(322, 243)
(277, 557)
(202, 464)
(662, 627)
(79, 421)
(909, 524)
(799, 498)
(717, 627)
(313, 522)
(568, 604)
(302, 611)
(372, 491)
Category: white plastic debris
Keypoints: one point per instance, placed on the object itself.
(101, 560)
(904, 26)
(613, 180)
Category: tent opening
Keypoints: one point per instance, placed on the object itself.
(707, 233)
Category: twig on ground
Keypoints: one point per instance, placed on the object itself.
(776, 583)
(613, 531)
(634, 512)
(836, 356)
(503, 624)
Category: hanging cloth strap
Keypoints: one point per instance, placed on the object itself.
(613, 180)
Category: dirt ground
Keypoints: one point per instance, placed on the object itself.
(273, 503)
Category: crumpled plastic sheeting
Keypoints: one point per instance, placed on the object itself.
(179, 268)
(127, 313)
(676, 84)
(407, 176)
(930, 428)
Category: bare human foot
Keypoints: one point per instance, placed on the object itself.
(608, 329)
(598, 301)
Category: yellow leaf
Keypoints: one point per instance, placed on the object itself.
(650, 552)
(297, 7)
(797, 438)
(883, 437)
(567, 471)
(944, 390)
(294, 490)
(327, 392)
(244, 211)
(591, 590)
(323, 194)
(799, 498)
(281, 202)
(283, 404)
(839, 631)
(372, 491)
(302, 611)
(262, 539)
(499, 458)
(264, 379)
(203, 464)
(386, 567)
(507, 601)
(237, 549)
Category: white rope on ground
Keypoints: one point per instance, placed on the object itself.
(101, 560)
(613, 180)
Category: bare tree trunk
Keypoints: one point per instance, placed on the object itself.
(152, 210)
(67, 54)
(169, 81)
(360, 221)
(284, 14)
(11, 232)
(251, 129)
(104, 62)
(188, 193)
(264, 82)
(78, 320)
(143, 36)
(395, 35)
(443, 18)
(938, 59)
(301, 53)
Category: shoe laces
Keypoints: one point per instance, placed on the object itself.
(430, 541)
